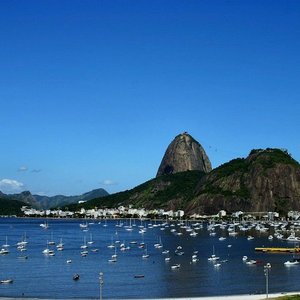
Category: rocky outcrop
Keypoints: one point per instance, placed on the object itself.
(184, 154)
(267, 180)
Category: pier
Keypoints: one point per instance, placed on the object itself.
(278, 250)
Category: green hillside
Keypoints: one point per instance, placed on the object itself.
(10, 207)
(167, 191)
(266, 180)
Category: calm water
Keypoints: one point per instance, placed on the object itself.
(45, 276)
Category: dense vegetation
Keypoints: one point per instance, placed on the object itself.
(271, 156)
(238, 167)
(175, 191)
(229, 187)
(10, 207)
(154, 193)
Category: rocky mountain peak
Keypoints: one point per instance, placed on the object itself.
(184, 154)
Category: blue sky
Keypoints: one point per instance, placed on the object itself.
(93, 92)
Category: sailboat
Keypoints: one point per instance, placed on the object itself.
(47, 251)
(105, 223)
(84, 226)
(145, 255)
(60, 245)
(294, 261)
(84, 246)
(129, 228)
(6, 244)
(213, 257)
(114, 256)
(22, 245)
(159, 244)
(112, 245)
(90, 242)
(44, 225)
(51, 243)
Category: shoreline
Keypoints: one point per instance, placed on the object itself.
(224, 297)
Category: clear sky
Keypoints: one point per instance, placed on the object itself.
(92, 92)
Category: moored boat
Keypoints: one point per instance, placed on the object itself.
(6, 281)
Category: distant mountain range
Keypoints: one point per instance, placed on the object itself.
(46, 202)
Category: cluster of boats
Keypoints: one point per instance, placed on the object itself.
(280, 230)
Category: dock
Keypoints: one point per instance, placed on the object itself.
(278, 250)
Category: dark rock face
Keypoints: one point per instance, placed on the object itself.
(184, 154)
(267, 180)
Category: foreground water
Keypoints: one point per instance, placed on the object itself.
(35, 274)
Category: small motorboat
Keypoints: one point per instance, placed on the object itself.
(6, 281)
(291, 263)
(177, 266)
(139, 276)
(76, 277)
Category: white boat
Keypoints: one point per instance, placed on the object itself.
(293, 238)
(130, 227)
(84, 246)
(60, 245)
(112, 260)
(44, 225)
(83, 225)
(6, 281)
(48, 251)
(195, 258)
(23, 242)
(159, 244)
(115, 255)
(145, 255)
(4, 251)
(105, 223)
(177, 266)
(90, 242)
(213, 257)
(51, 243)
(291, 263)
(112, 245)
(6, 244)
